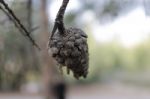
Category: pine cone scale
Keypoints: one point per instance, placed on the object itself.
(71, 50)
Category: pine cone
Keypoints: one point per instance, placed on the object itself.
(70, 49)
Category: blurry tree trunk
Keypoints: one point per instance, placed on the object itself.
(51, 77)
(29, 17)
(48, 67)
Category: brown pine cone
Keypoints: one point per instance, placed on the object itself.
(70, 49)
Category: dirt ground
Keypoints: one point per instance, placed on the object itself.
(114, 91)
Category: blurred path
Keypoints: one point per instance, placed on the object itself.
(114, 91)
(20, 97)
(95, 92)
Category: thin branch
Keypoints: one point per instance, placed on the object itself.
(34, 28)
(11, 18)
(60, 15)
(17, 22)
(59, 18)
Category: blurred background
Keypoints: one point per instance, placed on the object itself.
(119, 46)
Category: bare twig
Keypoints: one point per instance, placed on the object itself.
(11, 18)
(34, 28)
(59, 18)
(17, 22)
